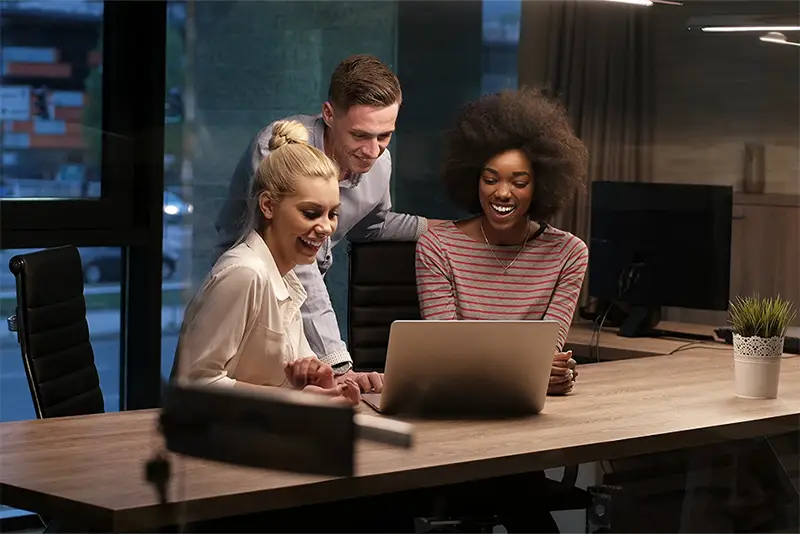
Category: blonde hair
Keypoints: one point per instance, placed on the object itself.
(290, 158)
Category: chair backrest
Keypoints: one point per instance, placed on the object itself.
(382, 288)
(53, 333)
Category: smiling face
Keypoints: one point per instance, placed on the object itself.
(358, 136)
(506, 190)
(300, 223)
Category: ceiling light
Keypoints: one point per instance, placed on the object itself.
(778, 38)
(721, 29)
(637, 2)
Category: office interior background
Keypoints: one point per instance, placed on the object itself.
(122, 123)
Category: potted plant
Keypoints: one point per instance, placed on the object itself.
(759, 325)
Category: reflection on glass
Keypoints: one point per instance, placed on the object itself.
(51, 96)
(205, 73)
(178, 209)
(176, 284)
(501, 19)
(101, 269)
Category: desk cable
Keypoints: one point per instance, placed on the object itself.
(716, 345)
(627, 278)
(594, 342)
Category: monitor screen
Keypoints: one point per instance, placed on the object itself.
(656, 244)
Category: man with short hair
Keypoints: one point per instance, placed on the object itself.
(354, 129)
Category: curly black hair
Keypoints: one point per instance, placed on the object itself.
(525, 120)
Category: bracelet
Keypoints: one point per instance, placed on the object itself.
(342, 368)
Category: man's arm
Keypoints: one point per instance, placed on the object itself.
(322, 332)
(382, 224)
(319, 320)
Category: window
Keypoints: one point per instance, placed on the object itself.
(71, 104)
(218, 99)
(51, 98)
(97, 113)
(87, 173)
(501, 19)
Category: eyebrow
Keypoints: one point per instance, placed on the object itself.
(514, 174)
(311, 204)
(370, 134)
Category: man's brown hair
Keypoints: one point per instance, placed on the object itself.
(363, 80)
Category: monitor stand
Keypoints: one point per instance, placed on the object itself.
(641, 322)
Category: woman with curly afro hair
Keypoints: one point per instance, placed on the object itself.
(513, 161)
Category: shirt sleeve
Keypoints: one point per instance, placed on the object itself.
(434, 280)
(382, 224)
(217, 323)
(319, 320)
(568, 288)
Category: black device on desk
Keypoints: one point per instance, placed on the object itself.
(655, 245)
(276, 428)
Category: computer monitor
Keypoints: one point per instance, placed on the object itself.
(658, 244)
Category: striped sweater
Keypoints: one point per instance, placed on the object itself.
(460, 278)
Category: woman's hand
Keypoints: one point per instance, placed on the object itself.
(562, 374)
(309, 372)
(347, 392)
(313, 376)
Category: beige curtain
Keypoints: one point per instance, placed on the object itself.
(594, 56)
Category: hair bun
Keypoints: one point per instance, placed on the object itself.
(286, 133)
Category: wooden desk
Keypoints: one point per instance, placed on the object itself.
(613, 347)
(92, 467)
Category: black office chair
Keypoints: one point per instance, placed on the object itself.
(53, 333)
(382, 288)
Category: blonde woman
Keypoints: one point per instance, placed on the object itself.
(243, 329)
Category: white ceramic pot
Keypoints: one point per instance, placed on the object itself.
(757, 366)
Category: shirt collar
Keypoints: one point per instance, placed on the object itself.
(318, 141)
(284, 288)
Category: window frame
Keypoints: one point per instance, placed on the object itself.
(129, 212)
(111, 218)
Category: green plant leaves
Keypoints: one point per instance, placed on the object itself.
(762, 317)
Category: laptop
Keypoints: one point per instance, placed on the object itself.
(463, 368)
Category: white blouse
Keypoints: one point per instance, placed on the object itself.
(244, 323)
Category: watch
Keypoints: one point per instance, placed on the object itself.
(342, 368)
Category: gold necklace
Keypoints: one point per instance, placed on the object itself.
(521, 248)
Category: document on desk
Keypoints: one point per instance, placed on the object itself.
(373, 400)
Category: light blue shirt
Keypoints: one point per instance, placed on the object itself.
(365, 215)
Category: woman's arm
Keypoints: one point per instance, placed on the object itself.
(434, 283)
(568, 288)
(216, 323)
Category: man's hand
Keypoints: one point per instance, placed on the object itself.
(309, 372)
(367, 382)
(562, 374)
(346, 393)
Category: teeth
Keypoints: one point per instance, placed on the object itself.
(502, 209)
(312, 244)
